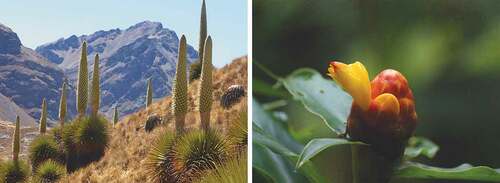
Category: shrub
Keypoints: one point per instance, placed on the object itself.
(238, 133)
(69, 146)
(159, 160)
(49, 172)
(195, 70)
(197, 151)
(43, 148)
(152, 122)
(232, 96)
(14, 171)
(91, 139)
(234, 170)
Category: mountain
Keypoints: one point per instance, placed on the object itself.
(9, 110)
(26, 77)
(129, 144)
(128, 58)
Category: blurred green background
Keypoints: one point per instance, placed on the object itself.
(448, 50)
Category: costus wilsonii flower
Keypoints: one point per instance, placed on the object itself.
(383, 110)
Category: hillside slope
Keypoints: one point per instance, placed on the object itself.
(128, 58)
(130, 144)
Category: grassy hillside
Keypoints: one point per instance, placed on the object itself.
(124, 160)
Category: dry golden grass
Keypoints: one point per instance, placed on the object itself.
(124, 160)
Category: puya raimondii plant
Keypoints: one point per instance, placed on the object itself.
(373, 124)
(62, 104)
(149, 93)
(83, 79)
(96, 90)
(195, 68)
(15, 170)
(179, 102)
(205, 89)
(43, 117)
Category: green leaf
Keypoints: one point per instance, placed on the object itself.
(411, 170)
(420, 146)
(320, 96)
(272, 128)
(315, 146)
(273, 166)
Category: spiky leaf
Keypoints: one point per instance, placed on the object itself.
(49, 172)
(14, 171)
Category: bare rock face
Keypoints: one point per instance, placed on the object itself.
(27, 77)
(10, 42)
(128, 58)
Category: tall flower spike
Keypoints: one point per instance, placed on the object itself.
(83, 79)
(43, 117)
(354, 79)
(179, 103)
(115, 116)
(95, 87)
(62, 104)
(16, 141)
(203, 31)
(205, 90)
(149, 93)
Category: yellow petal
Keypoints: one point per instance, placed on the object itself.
(354, 79)
(387, 103)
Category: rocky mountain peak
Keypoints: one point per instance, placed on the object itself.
(9, 42)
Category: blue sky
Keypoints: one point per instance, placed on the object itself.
(37, 22)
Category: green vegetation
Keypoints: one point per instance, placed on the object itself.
(238, 133)
(199, 150)
(179, 92)
(149, 93)
(205, 90)
(43, 117)
(234, 170)
(82, 88)
(91, 138)
(49, 172)
(95, 92)
(159, 160)
(44, 148)
(14, 171)
(62, 104)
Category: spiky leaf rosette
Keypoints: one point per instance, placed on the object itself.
(115, 116)
(159, 160)
(203, 31)
(91, 139)
(69, 144)
(95, 92)
(179, 103)
(197, 151)
(14, 171)
(232, 96)
(238, 133)
(149, 93)
(234, 170)
(16, 140)
(82, 87)
(49, 172)
(43, 148)
(152, 122)
(43, 117)
(205, 90)
(62, 104)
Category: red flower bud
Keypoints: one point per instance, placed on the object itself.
(390, 118)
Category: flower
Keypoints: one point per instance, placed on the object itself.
(383, 111)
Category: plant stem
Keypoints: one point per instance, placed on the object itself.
(355, 164)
